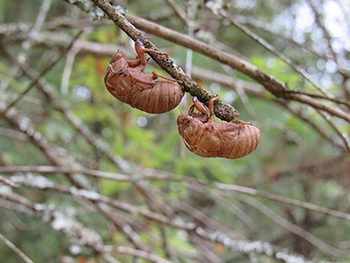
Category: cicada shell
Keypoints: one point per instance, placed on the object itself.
(125, 80)
(204, 137)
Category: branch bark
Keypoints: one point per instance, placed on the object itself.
(15, 249)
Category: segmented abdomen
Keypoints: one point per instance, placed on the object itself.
(246, 141)
(158, 96)
(226, 140)
(162, 97)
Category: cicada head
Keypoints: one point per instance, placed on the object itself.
(183, 121)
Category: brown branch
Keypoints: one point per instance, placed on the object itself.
(293, 228)
(269, 82)
(124, 227)
(319, 128)
(107, 50)
(256, 90)
(317, 96)
(261, 26)
(37, 79)
(15, 249)
(316, 104)
(16, 135)
(242, 246)
(151, 174)
(72, 118)
(178, 12)
(8, 182)
(134, 252)
(338, 132)
(24, 125)
(233, 83)
(272, 49)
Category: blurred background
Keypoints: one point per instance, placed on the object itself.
(86, 178)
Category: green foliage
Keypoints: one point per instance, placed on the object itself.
(277, 67)
(292, 160)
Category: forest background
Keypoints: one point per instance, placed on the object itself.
(86, 178)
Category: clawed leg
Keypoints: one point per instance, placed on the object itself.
(144, 50)
(199, 106)
(156, 75)
(203, 115)
(190, 110)
(211, 108)
(211, 105)
(242, 122)
(141, 50)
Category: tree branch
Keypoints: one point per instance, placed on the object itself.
(15, 249)
(274, 86)
(151, 174)
(37, 79)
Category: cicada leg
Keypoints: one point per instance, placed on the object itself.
(211, 108)
(156, 75)
(141, 50)
(242, 122)
(199, 105)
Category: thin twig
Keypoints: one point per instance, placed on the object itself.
(29, 41)
(154, 175)
(25, 126)
(242, 246)
(302, 116)
(326, 34)
(124, 227)
(269, 82)
(342, 136)
(259, 25)
(134, 252)
(313, 95)
(295, 229)
(13, 134)
(68, 68)
(37, 79)
(178, 12)
(272, 49)
(8, 182)
(15, 249)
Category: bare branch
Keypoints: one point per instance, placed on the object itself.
(37, 79)
(134, 252)
(13, 134)
(344, 137)
(8, 243)
(8, 182)
(270, 83)
(151, 174)
(179, 12)
(272, 49)
(243, 246)
(293, 228)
